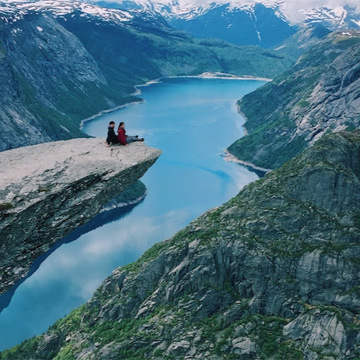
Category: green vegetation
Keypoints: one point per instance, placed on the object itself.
(51, 119)
(22, 351)
(5, 206)
(66, 353)
(275, 111)
(43, 189)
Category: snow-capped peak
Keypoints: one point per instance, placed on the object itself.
(192, 8)
(13, 10)
(295, 12)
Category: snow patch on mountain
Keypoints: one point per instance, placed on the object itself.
(334, 13)
(12, 11)
(186, 9)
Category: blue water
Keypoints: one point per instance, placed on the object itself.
(192, 121)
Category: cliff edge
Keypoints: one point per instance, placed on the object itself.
(271, 274)
(48, 190)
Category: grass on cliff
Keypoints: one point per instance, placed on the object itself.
(6, 206)
(274, 110)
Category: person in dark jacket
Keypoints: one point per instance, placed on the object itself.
(126, 139)
(111, 136)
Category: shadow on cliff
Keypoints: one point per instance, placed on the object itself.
(98, 221)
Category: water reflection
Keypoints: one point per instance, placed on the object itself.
(100, 220)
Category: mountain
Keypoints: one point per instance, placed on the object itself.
(256, 25)
(305, 38)
(51, 82)
(265, 23)
(272, 274)
(63, 61)
(319, 94)
(240, 23)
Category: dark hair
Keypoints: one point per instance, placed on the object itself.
(122, 123)
(112, 122)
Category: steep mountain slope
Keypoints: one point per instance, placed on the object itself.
(297, 44)
(51, 81)
(239, 22)
(334, 18)
(256, 25)
(319, 94)
(37, 77)
(64, 61)
(272, 274)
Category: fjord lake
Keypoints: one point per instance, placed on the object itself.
(192, 120)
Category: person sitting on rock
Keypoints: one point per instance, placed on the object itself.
(126, 139)
(111, 136)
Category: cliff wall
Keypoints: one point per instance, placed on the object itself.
(318, 95)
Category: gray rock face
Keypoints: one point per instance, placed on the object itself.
(45, 70)
(320, 94)
(319, 331)
(334, 103)
(273, 273)
(48, 190)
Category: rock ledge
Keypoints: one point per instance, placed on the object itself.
(48, 190)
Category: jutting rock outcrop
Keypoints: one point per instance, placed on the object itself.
(318, 95)
(48, 190)
(272, 274)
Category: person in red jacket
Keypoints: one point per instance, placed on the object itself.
(126, 139)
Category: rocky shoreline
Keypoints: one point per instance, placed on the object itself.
(232, 158)
(292, 112)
